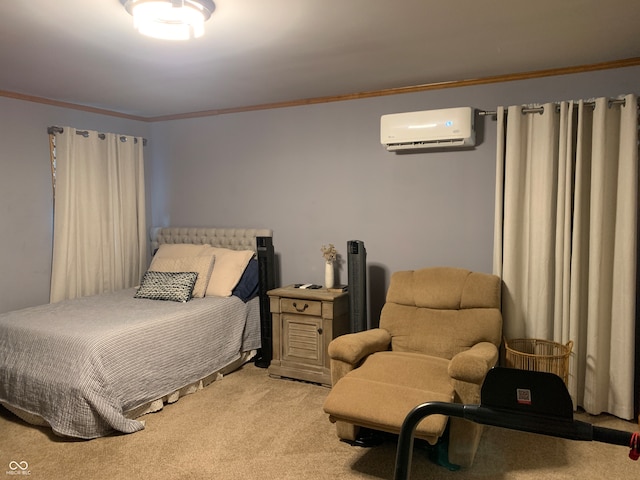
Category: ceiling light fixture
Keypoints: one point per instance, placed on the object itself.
(170, 19)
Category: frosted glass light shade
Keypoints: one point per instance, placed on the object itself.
(170, 19)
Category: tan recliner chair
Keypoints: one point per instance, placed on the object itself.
(440, 330)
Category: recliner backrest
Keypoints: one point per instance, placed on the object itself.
(442, 311)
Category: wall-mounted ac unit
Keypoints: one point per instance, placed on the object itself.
(445, 128)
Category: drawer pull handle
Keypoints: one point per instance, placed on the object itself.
(320, 331)
(304, 307)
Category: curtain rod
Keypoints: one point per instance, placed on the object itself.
(52, 130)
(616, 101)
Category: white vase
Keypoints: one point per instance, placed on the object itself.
(329, 277)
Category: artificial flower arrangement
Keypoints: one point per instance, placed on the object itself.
(329, 253)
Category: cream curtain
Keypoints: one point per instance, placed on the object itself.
(99, 240)
(565, 239)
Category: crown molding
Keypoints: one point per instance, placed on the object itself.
(615, 64)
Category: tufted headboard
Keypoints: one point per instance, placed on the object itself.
(232, 238)
(257, 239)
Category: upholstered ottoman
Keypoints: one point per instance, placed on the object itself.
(386, 387)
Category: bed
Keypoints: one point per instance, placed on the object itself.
(92, 366)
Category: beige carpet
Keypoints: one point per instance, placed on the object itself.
(251, 426)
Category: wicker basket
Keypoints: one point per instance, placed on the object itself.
(539, 355)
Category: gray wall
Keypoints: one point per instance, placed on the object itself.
(26, 221)
(314, 174)
(318, 174)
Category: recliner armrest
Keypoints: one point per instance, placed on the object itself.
(472, 365)
(353, 347)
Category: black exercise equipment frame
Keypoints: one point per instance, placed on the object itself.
(535, 402)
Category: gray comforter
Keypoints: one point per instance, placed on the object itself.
(81, 364)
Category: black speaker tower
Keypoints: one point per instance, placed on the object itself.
(267, 281)
(357, 273)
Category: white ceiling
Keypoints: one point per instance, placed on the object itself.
(257, 52)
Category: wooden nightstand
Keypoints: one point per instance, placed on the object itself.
(304, 322)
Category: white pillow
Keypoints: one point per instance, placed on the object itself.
(202, 265)
(229, 267)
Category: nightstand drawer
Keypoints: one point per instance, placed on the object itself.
(301, 307)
